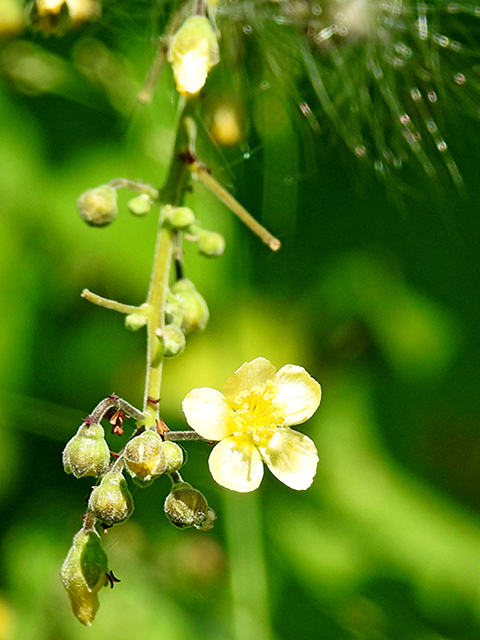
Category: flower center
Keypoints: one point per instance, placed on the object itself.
(255, 414)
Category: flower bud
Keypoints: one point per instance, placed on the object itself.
(98, 207)
(87, 453)
(173, 456)
(84, 573)
(59, 16)
(144, 457)
(140, 205)
(195, 311)
(211, 244)
(173, 340)
(187, 507)
(135, 321)
(193, 52)
(111, 502)
(179, 217)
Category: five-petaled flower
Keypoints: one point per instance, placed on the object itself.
(252, 420)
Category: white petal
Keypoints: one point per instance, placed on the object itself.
(236, 464)
(250, 374)
(292, 458)
(298, 394)
(207, 413)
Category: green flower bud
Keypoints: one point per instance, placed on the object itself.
(98, 207)
(87, 453)
(140, 205)
(135, 321)
(187, 507)
(173, 456)
(84, 573)
(211, 244)
(195, 311)
(144, 457)
(111, 502)
(179, 217)
(173, 340)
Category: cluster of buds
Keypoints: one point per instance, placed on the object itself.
(145, 457)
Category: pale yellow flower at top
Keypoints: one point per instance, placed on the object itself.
(193, 52)
(252, 420)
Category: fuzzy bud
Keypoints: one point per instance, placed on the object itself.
(135, 321)
(193, 52)
(187, 507)
(173, 340)
(173, 456)
(111, 502)
(87, 453)
(145, 458)
(210, 243)
(98, 207)
(194, 308)
(178, 217)
(140, 205)
(84, 573)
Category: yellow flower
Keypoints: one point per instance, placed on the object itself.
(193, 52)
(252, 420)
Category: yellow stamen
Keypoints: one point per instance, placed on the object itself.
(255, 415)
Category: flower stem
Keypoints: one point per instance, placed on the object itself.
(172, 193)
(202, 173)
(109, 304)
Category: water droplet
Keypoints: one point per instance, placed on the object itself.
(404, 119)
(316, 9)
(264, 85)
(441, 145)
(247, 29)
(246, 151)
(416, 95)
(459, 78)
(360, 151)
(289, 180)
(443, 41)
(432, 96)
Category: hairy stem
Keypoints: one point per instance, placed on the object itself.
(172, 193)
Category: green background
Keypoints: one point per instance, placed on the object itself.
(375, 292)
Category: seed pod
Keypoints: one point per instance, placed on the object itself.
(144, 457)
(111, 502)
(173, 456)
(187, 507)
(84, 573)
(98, 207)
(87, 453)
(194, 308)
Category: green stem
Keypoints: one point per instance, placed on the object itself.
(156, 320)
(109, 304)
(172, 193)
(199, 170)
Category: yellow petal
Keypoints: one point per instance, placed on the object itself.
(298, 394)
(207, 413)
(292, 458)
(236, 464)
(250, 374)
